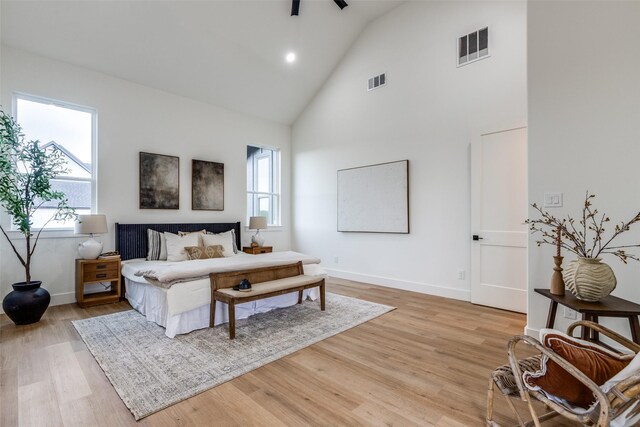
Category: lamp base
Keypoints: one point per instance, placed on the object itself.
(257, 239)
(91, 249)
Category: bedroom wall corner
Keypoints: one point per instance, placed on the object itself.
(135, 118)
(428, 112)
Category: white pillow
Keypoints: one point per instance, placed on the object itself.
(223, 239)
(176, 245)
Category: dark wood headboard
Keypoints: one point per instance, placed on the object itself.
(131, 239)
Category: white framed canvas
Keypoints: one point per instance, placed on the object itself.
(374, 198)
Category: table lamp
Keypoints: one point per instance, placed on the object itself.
(257, 223)
(90, 224)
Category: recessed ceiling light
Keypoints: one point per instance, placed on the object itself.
(291, 57)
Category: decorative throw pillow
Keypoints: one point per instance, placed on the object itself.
(176, 245)
(233, 237)
(597, 363)
(204, 252)
(223, 239)
(157, 246)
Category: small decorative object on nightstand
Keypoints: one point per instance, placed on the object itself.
(90, 224)
(254, 250)
(97, 271)
(257, 223)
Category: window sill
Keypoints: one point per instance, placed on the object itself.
(47, 234)
(271, 228)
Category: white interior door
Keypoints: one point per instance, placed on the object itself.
(498, 211)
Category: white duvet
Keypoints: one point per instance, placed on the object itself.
(187, 284)
(169, 273)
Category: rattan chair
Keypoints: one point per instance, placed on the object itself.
(508, 380)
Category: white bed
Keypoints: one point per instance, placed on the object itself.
(185, 306)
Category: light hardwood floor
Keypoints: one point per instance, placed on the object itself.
(426, 363)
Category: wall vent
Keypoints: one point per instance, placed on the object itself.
(377, 81)
(473, 47)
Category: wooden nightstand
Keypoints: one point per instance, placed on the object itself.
(257, 249)
(96, 271)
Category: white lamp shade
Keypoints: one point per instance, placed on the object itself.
(91, 224)
(258, 223)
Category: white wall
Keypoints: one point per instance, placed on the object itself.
(133, 118)
(429, 112)
(584, 125)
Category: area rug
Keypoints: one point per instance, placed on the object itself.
(151, 372)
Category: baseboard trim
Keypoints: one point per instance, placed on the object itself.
(532, 332)
(63, 298)
(405, 285)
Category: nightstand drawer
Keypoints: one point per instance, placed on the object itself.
(91, 276)
(100, 266)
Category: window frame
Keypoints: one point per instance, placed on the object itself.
(275, 196)
(94, 154)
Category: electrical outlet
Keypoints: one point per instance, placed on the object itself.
(461, 274)
(570, 314)
(336, 259)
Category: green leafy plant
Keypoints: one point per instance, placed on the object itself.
(586, 238)
(26, 171)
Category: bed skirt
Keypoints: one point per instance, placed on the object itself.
(151, 301)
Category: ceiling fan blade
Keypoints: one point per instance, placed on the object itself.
(295, 7)
(341, 3)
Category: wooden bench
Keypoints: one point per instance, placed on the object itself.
(265, 282)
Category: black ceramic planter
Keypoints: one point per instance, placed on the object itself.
(26, 303)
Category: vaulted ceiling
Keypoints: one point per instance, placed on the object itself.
(227, 53)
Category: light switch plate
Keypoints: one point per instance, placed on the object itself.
(552, 200)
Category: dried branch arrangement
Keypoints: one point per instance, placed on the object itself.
(576, 237)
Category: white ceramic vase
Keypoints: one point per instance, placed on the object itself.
(90, 249)
(589, 279)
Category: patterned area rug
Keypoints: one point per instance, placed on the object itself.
(151, 372)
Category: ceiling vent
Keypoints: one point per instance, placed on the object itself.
(473, 47)
(377, 81)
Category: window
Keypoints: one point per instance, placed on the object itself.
(263, 184)
(71, 130)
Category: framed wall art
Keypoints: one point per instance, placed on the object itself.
(375, 198)
(207, 185)
(159, 181)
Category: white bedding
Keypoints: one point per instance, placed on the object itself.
(185, 305)
(165, 273)
(185, 296)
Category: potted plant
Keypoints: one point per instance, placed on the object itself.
(26, 172)
(586, 277)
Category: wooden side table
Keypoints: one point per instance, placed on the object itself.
(254, 250)
(96, 271)
(608, 306)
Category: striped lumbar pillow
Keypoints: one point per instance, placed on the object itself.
(157, 245)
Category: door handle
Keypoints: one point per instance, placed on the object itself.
(476, 237)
